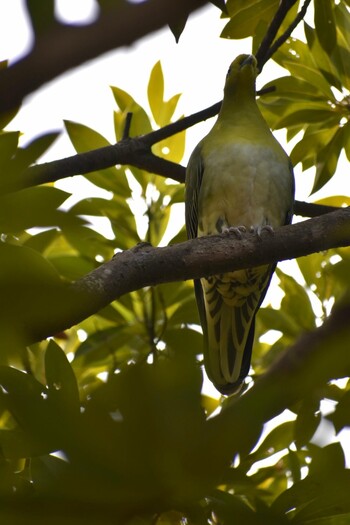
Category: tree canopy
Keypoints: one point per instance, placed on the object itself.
(102, 414)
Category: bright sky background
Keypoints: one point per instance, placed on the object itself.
(196, 67)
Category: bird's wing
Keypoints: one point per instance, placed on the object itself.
(194, 177)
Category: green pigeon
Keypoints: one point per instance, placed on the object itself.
(238, 178)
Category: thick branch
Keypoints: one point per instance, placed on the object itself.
(65, 47)
(146, 266)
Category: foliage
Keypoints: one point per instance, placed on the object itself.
(106, 422)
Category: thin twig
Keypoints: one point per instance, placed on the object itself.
(281, 40)
(126, 132)
(262, 53)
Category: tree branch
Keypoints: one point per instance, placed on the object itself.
(277, 44)
(64, 47)
(281, 13)
(145, 265)
(268, 47)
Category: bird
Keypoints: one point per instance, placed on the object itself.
(238, 178)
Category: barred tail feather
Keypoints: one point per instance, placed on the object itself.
(228, 348)
(227, 305)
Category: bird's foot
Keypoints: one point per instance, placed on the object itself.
(236, 230)
(257, 230)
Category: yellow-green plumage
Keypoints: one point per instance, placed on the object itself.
(238, 175)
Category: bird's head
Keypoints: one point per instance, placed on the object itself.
(241, 75)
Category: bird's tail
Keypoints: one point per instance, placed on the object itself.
(230, 304)
(228, 346)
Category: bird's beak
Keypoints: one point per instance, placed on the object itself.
(248, 61)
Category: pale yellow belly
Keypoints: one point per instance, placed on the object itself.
(243, 187)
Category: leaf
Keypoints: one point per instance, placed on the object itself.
(88, 242)
(171, 148)
(325, 62)
(230, 508)
(341, 416)
(312, 142)
(327, 160)
(307, 421)
(342, 51)
(306, 116)
(86, 139)
(290, 88)
(220, 4)
(63, 394)
(178, 27)
(325, 24)
(42, 240)
(277, 440)
(155, 91)
(296, 302)
(244, 21)
(309, 73)
(280, 320)
(35, 149)
(184, 340)
(25, 399)
(8, 147)
(140, 122)
(32, 207)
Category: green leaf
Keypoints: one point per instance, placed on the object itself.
(312, 142)
(307, 421)
(63, 393)
(246, 18)
(341, 56)
(325, 24)
(230, 508)
(327, 160)
(306, 116)
(341, 416)
(279, 320)
(184, 340)
(296, 302)
(8, 147)
(32, 207)
(155, 91)
(277, 440)
(346, 141)
(308, 72)
(33, 151)
(25, 399)
(42, 240)
(325, 62)
(86, 139)
(88, 242)
(291, 88)
(140, 122)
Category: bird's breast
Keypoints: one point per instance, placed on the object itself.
(243, 184)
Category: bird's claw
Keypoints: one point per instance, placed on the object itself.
(257, 230)
(236, 230)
